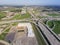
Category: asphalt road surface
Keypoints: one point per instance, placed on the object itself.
(49, 36)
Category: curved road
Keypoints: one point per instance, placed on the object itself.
(49, 36)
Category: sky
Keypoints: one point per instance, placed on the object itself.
(29, 2)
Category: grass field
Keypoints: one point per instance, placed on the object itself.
(19, 16)
(50, 24)
(38, 36)
(3, 35)
(56, 29)
(2, 15)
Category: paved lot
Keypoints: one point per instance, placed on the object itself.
(23, 39)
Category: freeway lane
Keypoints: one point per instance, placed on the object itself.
(11, 21)
(49, 36)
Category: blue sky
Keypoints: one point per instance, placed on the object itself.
(30, 2)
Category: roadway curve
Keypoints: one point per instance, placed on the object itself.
(49, 36)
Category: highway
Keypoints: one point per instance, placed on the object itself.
(49, 36)
(53, 18)
(47, 33)
(11, 21)
(52, 40)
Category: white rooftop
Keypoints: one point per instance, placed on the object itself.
(30, 30)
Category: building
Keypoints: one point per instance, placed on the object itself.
(22, 29)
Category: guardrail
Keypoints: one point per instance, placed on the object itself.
(52, 33)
